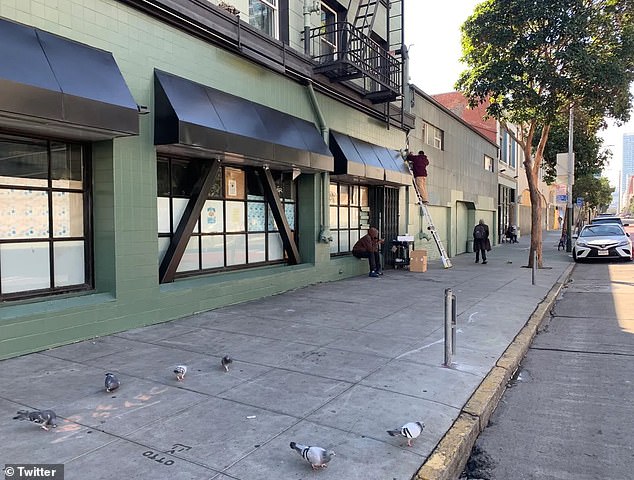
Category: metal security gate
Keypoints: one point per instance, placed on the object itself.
(384, 216)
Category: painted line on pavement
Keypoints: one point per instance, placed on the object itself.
(448, 459)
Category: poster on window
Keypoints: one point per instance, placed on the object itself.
(235, 216)
(234, 183)
(256, 213)
(211, 217)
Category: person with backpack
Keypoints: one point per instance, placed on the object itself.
(481, 242)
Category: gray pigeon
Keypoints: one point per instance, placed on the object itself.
(112, 382)
(316, 456)
(410, 431)
(180, 372)
(44, 418)
(226, 360)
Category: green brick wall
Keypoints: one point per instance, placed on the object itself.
(127, 291)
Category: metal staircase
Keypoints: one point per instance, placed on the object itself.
(364, 22)
(366, 58)
(431, 227)
(366, 13)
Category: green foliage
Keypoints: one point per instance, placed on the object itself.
(596, 192)
(590, 158)
(532, 58)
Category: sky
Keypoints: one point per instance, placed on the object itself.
(432, 33)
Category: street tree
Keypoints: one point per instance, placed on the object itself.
(534, 60)
(595, 191)
(590, 156)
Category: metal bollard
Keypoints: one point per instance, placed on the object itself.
(450, 325)
(534, 266)
(453, 324)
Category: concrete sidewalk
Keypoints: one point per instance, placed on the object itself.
(334, 365)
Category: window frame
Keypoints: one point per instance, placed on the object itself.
(220, 193)
(433, 136)
(357, 201)
(330, 44)
(489, 163)
(274, 6)
(52, 239)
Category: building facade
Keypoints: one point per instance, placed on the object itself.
(164, 157)
(513, 198)
(462, 181)
(627, 170)
(160, 158)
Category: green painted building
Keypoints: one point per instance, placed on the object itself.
(164, 157)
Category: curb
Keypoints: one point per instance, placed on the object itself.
(450, 456)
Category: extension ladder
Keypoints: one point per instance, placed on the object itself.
(431, 227)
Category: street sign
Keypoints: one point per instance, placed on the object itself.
(579, 201)
(562, 198)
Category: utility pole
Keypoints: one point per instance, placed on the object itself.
(571, 180)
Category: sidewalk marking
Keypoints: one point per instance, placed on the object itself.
(420, 348)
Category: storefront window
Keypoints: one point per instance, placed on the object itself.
(347, 204)
(235, 229)
(43, 218)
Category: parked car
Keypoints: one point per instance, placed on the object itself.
(598, 240)
(607, 219)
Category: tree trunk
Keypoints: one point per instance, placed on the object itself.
(536, 220)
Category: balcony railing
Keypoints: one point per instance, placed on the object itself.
(344, 54)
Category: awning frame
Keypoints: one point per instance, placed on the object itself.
(192, 116)
(55, 86)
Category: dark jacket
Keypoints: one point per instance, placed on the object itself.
(368, 243)
(419, 164)
(482, 243)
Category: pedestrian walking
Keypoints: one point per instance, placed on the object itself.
(419, 167)
(368, 247)
(481, 242)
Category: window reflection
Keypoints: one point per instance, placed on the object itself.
(263, 16)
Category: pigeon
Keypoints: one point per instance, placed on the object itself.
(410, 431)
(316, 456)
(45, 418)
(112, 382)
(180, 372)
(226, 360)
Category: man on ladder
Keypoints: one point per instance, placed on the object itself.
(419, 167)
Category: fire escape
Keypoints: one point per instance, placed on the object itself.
(353, 54)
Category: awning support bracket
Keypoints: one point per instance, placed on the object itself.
(277, 210)
(183, 233)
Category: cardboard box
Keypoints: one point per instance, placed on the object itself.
(418, 261)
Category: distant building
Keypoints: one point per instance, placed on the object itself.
(514, 205)
(628, 165)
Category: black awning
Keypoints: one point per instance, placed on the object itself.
(355, 158)
(366, 161)
(192, 115)
(52, 85)
(395, 169)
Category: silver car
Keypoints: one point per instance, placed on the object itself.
(605, 240)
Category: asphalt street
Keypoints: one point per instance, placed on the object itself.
(568, 413)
